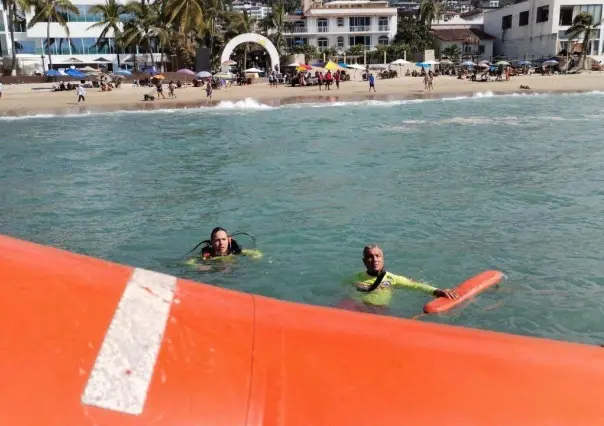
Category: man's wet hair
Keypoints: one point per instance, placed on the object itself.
(369, 247)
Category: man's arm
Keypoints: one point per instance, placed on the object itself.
(400, 281)
(254, 254)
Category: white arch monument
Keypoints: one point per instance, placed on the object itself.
(251, 38)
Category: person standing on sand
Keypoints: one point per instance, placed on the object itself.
(81, 93)
(371, 82)
(1, 89)
(337, 77)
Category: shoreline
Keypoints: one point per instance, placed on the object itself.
(28, 102)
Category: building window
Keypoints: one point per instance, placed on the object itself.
(323, 25)
(340, 22)
(523, 19)
(383, 24)
(594, 10)
(481, 49)
(322, 43)
(300, 27)
(359, 24)
(383, 40)
(341, 42)
(542, 14)
(506, 22)
(362, 40)
(566, 15)
(296, 41)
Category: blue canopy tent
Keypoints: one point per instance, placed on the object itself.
(54, 73)
(72, 72)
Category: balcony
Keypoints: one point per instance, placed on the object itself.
(299, 30)
(359, 28)
(384, 28)
(323, 29)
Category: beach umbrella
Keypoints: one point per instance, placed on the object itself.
(54, 73)
(523, 63)
(186, 72)
(253, 70)
(159, 77)
(89, 69)
(467, 64)
(343, 65)
(551, 62)
(446, 62)
(229, 62)
(422, 65)
(400, 62)
(332, 66)
(483, 65)
(431, 62)
(204, 74)
(502, 63)
(294, 64)
(303, 67)
(125, 73)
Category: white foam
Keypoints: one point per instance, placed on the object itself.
(246, 104)
(251, 105)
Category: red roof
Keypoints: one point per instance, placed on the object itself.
(460, 34)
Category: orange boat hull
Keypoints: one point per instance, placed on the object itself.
(72, 341)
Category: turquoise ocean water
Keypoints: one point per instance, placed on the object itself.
(449, 188)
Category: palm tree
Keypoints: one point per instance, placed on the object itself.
(188, 14)
(11, 6)
(452, 52)
(241, 23)
(583, 25)
(110, 11)
(142, 29)
(276, 22)
(429, 10)
(214, 9)
(52, 11)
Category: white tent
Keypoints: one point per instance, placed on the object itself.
(400, 62)
(253, 70)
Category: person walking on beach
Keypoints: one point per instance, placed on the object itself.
(336, 78)
(81, 93)
(371, 82)
(430, 80)
(1, 89)
(209, 90)
(171, 90)
(160, 90)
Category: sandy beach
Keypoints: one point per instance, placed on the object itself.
(33, 99)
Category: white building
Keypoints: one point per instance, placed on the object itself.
(257, 11)
(79, 48)
(537, 28)
(343, 24)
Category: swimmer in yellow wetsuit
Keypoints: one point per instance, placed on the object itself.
(223, 247)
(374, 285)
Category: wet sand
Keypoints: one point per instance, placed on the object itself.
(34, 99)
